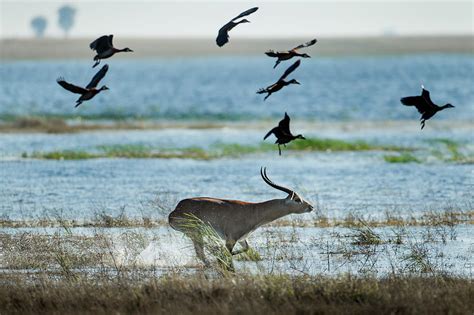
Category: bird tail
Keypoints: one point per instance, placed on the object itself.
(261, 91)
(268, 134)
(78, 103)
(271, 53)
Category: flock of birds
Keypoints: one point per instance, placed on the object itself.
(105, 49)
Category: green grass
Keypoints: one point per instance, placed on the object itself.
(316, 144)
(62, 155)
(216, 151)
(401, 158)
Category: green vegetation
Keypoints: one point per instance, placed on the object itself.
(205, 235)
(277, 294)
(314, 144)
(64, 155)
(122, 151)
(219, 150)
(453, 149)
(403, 157)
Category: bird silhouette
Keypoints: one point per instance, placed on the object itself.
(288, 54)
(105, 48)
(223, 35)
(282, 133)
(281, 81)
(90, 90)
(424, 105)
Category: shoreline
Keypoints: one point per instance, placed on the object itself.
(55, 48)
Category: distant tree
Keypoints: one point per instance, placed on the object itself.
(66, 18)
(39, 24)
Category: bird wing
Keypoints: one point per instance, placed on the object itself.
(270, 132)
(102, 43)
(425, 94)
(223, 36)
(271, 53)
(290, 69)
(284, 124)
(98, 76)
(110, 40)
(418, 101)
(71, 87)
(245, 13)
(307, 44)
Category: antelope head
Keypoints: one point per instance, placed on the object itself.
(293, 201)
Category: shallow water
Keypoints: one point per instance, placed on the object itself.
(340, 98)
(288, 250)
(339, 183)
(342, 88)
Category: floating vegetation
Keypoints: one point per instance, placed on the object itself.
(453, 151)
(403, 157)
(219, 150)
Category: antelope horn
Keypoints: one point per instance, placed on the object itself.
(263, 173)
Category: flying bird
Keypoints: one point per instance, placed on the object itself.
(281, 81)
(288, 54)
(223, 35)
(424, 105)
(90, 90)
(105, 48)
(282, 133)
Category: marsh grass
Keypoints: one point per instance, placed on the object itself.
(365, 235)
(219, 150)
(403, 157)
(241, 295)
(454, 151)
(209, 239)
(447, 217)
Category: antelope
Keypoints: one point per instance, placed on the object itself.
(234, 220)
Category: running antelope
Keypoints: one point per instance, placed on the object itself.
(234, 220)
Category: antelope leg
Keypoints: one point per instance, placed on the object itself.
(245, 247)
(230, 245)
(198, 247)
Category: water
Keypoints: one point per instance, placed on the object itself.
(342, 88)
(339, 183)
(348, 98)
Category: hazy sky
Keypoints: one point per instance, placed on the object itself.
(274, 18)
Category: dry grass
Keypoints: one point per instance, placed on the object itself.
(447, 217)
(241, 295)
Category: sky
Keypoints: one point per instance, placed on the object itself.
(192, 18)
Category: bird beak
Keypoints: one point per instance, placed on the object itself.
(303, 138)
